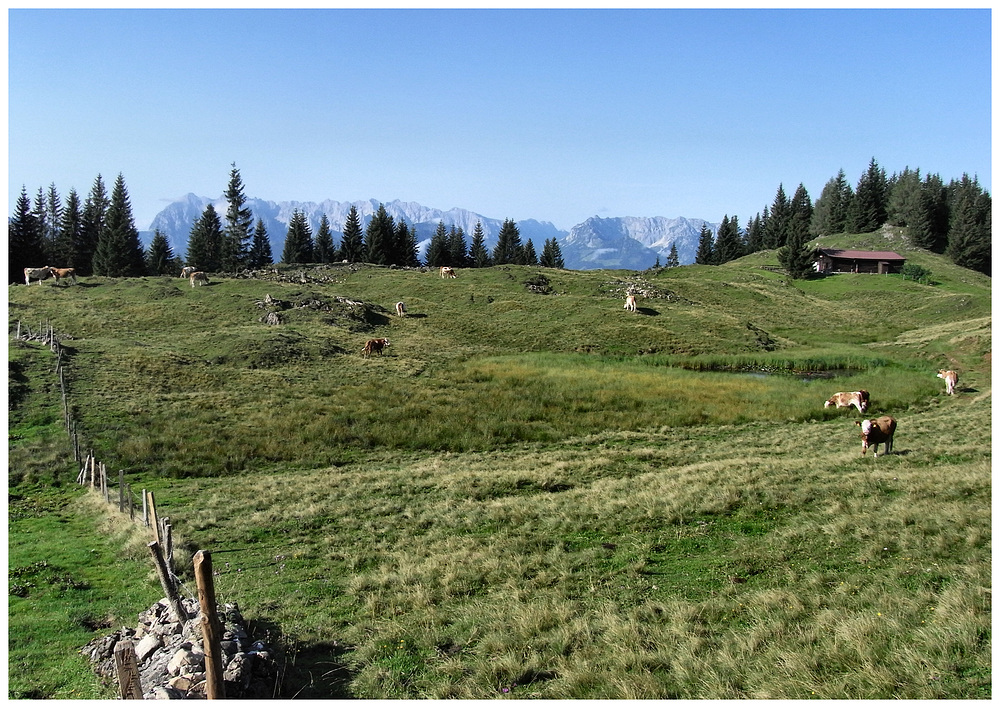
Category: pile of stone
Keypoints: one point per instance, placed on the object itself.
(171, 655)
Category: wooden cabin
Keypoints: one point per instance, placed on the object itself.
(834, 260)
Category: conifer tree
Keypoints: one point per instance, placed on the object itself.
(437, 250)
(352, 245)
(259, 255)
(903, 207)
(160, 257)
(776, 225)
(800, 213)
(755, 234)
(239, 225)
(704, 255)
(119, 252)
(204, 249)
(53, 217)
(24, 240)
(528, 254)
(551, 254)
(672, 260)
(728, 245)
(508, 248)
(298, 241)
(477, 251)
(95, 210)
(795, 256)
(380, 237)
(867, 211)
(70, 232)
(406, 242)
(930, 228)
(457, 251)
(324, 250)
(969, 242)
(830, 211)
(44, 227)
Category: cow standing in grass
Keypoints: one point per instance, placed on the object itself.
(846, 399)
(875, 431)
(400, 309)
(950, 380)
(630, 303)
(447, 272)
(199, 278)
(186, 271)
(60, 273)
(38, 274)
(374, 346)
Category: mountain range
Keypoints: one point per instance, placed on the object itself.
(633, 243)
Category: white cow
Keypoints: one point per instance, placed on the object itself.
(447, 272)
(400, 309)
(630, 303)
(38, 274)
(950, 380)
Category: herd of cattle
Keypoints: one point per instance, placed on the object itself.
(874, 431)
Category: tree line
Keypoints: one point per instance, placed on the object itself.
(953, 219)
(99, 237)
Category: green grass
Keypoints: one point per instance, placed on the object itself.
(544, 496)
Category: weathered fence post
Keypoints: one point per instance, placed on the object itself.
(153, 521)
(127, 670)
(93, 468)
(168, 585)
(211, 629)
(168, 542)
(121, 490)
(104, 483)
(131, 503)
(145, 508)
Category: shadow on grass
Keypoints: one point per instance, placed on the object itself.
(307, 671)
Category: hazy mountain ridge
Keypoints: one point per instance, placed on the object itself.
(633, 243)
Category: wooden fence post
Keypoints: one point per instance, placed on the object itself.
(145, 508)
(168, 585)
(121, 490)
(127, 669)
(93, 468)
(211, 629)
(153, 521)
(104, 483)
(131, 503)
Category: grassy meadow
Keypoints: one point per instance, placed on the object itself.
(531, 494)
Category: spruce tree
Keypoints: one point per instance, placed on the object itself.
(53, 218)
(969, 242)
(728, 245)
(380, 238)
(437, 250)
(552, 254)
(70, 232)
(528, 254)
(324, 250)
(508, 248)
(800, 212)
(44, 227)
(260, 248)
(95, 210)
(352, 245)
(830, 211)
(24, 240)
(672, 260)
(119, 252)
(930, 228)
(160, 257)
(298, 241)
(903, 207)
(204, 249)
(795, 256)
(239, 225)
(704, 255)
(406, 241)
(755, 234)
(776, 225)
(457, 250)
(477, 251)
(868, 208)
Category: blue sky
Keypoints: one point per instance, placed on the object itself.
(557, 115)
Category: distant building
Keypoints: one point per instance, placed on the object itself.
(833, 260)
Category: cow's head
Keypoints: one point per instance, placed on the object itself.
(866, 429)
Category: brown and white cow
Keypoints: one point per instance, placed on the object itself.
(60, 273)
(374, 346)
(199, 277)
(846, 399)
(186, 271)
(630, 303)
(950, 380)
(447, 272)
(875, 431)
(401, 309)
(38, 274)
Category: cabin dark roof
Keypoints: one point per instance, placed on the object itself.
(862, 255)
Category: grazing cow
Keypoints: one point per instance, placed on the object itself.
(186, 271)
(38, 274)
(60, 273)
(846, 399)
(374, 346)
(447, 272)
(199, 277)
(950, 380)
(630, 303)
(400, 309)
(875, 431)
